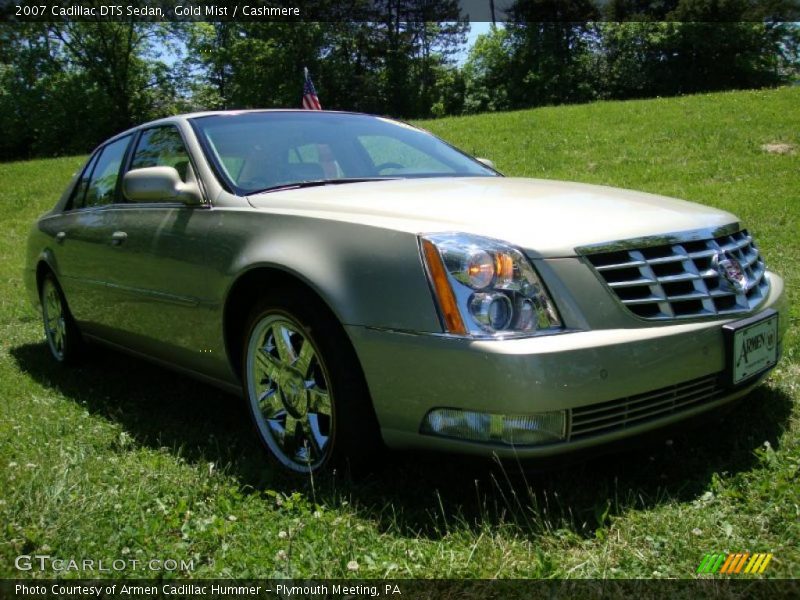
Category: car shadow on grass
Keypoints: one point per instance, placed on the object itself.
(576, 495)
(424, 495)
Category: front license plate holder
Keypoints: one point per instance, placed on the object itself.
(751, 347)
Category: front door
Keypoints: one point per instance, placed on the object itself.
(160, 276)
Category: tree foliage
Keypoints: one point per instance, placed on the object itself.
(397, 63)
(66, 86)
(534, 63)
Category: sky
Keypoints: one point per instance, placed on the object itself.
(476, 28)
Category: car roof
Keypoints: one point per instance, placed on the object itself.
(212, 113)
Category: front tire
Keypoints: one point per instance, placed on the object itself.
(305, 390)
(60, 330)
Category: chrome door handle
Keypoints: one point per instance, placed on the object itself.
(118, 237)
(61, 236)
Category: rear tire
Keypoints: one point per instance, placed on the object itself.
(60, 330)
(304, 387)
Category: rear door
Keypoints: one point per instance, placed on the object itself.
(83, 237)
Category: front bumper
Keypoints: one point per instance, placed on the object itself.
(410, 374)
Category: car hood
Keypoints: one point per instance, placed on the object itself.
(547, 218)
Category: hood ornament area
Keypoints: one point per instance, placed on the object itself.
(730, 271)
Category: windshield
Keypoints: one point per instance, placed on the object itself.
(266, 150)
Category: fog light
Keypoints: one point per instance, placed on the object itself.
(513, 430)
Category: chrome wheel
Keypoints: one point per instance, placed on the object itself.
(55, 319)
(289, 393)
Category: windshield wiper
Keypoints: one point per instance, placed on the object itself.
(317, 183)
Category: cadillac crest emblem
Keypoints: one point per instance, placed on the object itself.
(730, 271)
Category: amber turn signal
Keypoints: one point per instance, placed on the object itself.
(444, 294)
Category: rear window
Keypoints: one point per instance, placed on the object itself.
(98, 184)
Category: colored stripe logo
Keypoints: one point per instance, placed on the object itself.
(732, 564)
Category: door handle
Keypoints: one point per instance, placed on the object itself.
(61, 236)
(118, 237)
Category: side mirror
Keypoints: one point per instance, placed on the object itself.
(159, 184)
(486, 161)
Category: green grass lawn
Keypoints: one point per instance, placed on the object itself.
(120, 459)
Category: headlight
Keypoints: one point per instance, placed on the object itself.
(485, 288)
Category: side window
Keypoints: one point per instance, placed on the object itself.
(79, 193)
(103, 183)
(162, 147)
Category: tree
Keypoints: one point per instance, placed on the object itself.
(487, 72)
(122, 60)
(210, 47)
(389, 62)
(552, 52)
(45, 108)
(66, 86)
(668, 58)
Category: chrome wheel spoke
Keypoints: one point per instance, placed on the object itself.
(314, 443)
(276, 427)
(268, 364)
(269, 402)
(303, 361)
(53, 303)
(290, 436)
(59, 338)
(319, 401)
(280, 336)
(50, 324)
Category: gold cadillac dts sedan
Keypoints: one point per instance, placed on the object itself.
(362, 283)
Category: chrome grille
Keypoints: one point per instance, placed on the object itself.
(681, 279)
(597, 419)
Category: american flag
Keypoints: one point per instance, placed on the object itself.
(310, 99)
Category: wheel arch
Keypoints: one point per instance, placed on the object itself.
(243, 294)
(43, 268)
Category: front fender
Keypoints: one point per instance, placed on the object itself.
(368, 276)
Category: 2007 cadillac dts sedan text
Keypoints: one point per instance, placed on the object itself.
(364, 282)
